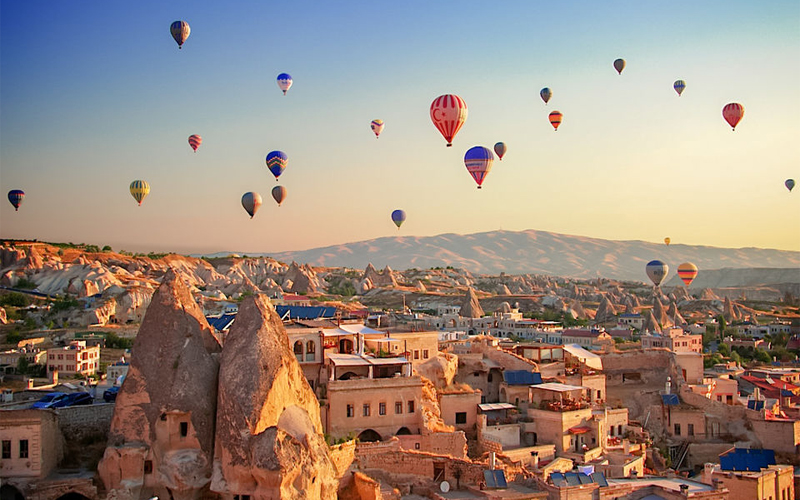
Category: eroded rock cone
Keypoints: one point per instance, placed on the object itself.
(471, 307)
(269, 441)
(163, 423)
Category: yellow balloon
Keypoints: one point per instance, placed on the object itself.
(667, 240)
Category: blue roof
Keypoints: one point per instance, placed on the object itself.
(752, 404)
(305, 312)
(741, 459)
(670, 399)
(522, 377)
(221, 323)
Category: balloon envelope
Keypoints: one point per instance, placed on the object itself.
(555, 119)
(180, 32)
(448, 113)
(284, 82)
(279, 193)
(546, 94)
(789, 184)
(478, 161)
(15, 196)
(667, 240)
(398, 217)
(500, 148)
(377, 127)
(733, 114)
(656, 271)
(139, 190)
(251, 201)
(619, 65)
(687, 272)
(195, 141)
(276, 162)
(679, 85)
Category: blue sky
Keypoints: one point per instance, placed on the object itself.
(96, 94)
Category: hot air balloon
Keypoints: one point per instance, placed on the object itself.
(619, 65)
(555, 119)
(139, 190)
(448, 112)
(195, 141)
(251, 201)
(377, 127)
(546, 94)
(679, 85)
(687, 272)
(15, 196)
(500, 148)
(284, 82)
(276, 162)
(479, 161)
(398, 217)
(733, 114)
(656, 271)
(667, 240)
(279, 193)
(180, 32)
(789, 185)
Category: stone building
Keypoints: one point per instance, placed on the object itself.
(30, 443)
(75, 359)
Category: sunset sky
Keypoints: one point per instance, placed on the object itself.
(94, 95)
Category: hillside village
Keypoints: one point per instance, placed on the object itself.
(240, 377)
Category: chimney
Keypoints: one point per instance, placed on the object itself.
(29, 383)
(54, 377)
(685, 490)
(492, 460)
(717, 483)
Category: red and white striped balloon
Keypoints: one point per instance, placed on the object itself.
(195, 141)
(733, 114)
(449, 112)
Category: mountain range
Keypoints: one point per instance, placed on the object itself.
(541, 252)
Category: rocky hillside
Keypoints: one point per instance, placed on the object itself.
(537, 252)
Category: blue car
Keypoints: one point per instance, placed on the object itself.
(52, 400)
(78, 398)
(110, 394)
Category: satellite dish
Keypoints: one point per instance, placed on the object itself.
(445, 486)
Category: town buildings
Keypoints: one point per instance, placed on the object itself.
(76, 359)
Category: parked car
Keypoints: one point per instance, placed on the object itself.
(110, 394)
(52, 400)
(78, 398)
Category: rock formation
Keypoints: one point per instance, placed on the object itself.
(384, 278)
(269, 441)
(606, 311)
(471, 307)
(164, 416)
(440, 369)
(303, 279)
(650, 323)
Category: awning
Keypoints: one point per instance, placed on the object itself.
(579, 430)
(495, 406)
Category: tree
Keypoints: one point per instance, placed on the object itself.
(724, 350)
(722, 323)
(107, 248)
(22, 365)
(762, 356)
(14, 299)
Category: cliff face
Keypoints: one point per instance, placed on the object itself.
(269, 441)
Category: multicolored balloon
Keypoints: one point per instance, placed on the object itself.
(195, 141)
(15, 196)
(733, 114)
(377, 127)
(667, 240)
(398, 217)
(139, 190)
(276, 162)
(500, 148)
(546, 94)
(251, 201)
(479, 161)
(180, 32)
(656, 271)
(687, 272)
(619, 65)
(284, 82)
(279, 194)
(555, 119)
(789, 185)
(449, 112)
(679, 85)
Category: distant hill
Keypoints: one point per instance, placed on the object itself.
(721, 278)
(541, 252)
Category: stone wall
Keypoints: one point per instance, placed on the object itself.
(78, 422)
(452, 444)
(342, 456)
(782, 436)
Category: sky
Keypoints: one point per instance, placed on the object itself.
(96, 94)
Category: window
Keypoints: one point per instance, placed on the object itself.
(411, 406)
(350, 411)
(416, 353)
(424, 354)
(599, 395)
(489, 377)
(148, 466)
(381, 408)
(366, 409)
(298, 350)
(677, 429)
(184, 429)
(6, 449)
(311, 349)
(241, 497)
(398, 407)
(23, 448)
(690, 429)
(461, 417)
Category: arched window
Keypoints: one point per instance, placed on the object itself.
(311, 349)
(298, 350)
